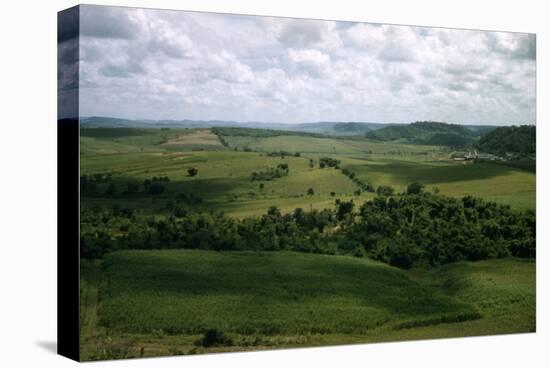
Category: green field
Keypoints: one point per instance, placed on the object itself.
(154, 302)
(224, 174)
(160, 302)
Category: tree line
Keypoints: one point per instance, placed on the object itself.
(413, 228)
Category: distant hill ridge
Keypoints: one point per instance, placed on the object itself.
(518, 140)
(428, 132)
(324, 127)
(420, 132)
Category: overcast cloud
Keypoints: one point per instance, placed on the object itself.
(157, 64)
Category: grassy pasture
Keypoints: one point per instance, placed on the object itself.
(163, 300)
(492, 181)
(331, 146)
(224, 174)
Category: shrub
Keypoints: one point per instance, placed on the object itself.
(192, 171)
(415, 188)
(214, 337)
(384, 190)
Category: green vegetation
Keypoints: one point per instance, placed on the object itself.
(197, 240)
(191, 301)
(519, 141)
(426, 132)
(413, 229)
(270, 173)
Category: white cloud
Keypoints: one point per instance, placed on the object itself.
(141, 63)
(310, 61)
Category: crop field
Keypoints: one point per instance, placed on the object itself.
(160, 302)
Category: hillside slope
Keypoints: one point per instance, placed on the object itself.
(160, 302)
(425, 132)
(518, 140)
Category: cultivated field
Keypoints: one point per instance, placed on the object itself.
(159, 302)
(224, 174)
(140, 187)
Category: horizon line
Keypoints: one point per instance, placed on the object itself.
(302, 122)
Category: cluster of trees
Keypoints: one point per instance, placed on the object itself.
(426, 132)
(282, 154)
(219, 133)
(329, 162)
(255, 132)
(153, 187)
(414, 228)
(101, 185)
(365, 186)
(89, 184)
(270, 173)
(517, 140)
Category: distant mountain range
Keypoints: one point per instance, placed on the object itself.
(330, 128)
(414, 132)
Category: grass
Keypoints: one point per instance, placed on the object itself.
(163, 301)
(492, 181)
(153, 303)
(134, 155)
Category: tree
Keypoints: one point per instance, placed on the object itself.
(111, 190)
(261, 186)
(384, 191)
(332, 193)
(310, 191)
(131, 189)
(146, 184)
(343, 209)
(274, 211)
(415, 188)
(192, 171)
(156, 189)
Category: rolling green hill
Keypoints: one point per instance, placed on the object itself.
(425, 132)
(164, 302)
(161, 302)
(515, 140)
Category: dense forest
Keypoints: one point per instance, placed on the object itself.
(425, 132)
(414, 228)
(516, 140)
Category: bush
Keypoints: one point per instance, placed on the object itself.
(192, 171)
(384, 191)
(415, 188)
(214, 337)
(328, 162)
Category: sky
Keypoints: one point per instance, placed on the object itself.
(160, 64)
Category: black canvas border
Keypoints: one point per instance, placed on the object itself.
(68, 185)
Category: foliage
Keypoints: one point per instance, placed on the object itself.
(214, 337)
(417, 228)
(192, 171)
(425, 132)
(415, 188)
(517, 140)
(328, 162)
(270, 173)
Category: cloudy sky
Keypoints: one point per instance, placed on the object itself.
(158, 64)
